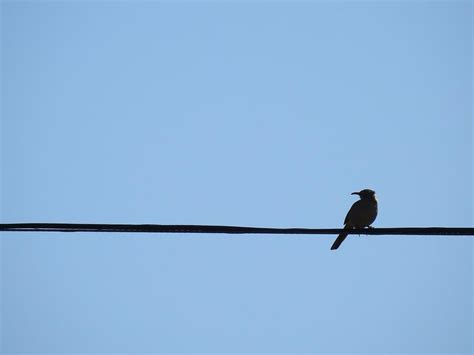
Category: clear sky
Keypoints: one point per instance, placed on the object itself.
(253, 113)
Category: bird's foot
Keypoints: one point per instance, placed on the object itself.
(368, 227)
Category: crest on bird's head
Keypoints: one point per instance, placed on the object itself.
(365, 193)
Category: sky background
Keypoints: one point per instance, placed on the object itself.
(254, 113)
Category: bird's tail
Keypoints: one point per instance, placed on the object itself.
(339, 240)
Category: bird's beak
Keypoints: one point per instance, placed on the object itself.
(355, 193)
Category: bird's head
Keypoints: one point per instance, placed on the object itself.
(365, 194)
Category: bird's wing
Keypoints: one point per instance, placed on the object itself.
(352, 213)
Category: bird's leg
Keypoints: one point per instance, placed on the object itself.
(368, 227)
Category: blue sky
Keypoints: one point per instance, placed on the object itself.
(253, 113)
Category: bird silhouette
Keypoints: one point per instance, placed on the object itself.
(362, 214)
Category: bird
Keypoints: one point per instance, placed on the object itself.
(362, 214)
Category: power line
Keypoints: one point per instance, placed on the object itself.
(214, 229)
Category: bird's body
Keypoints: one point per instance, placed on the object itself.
(362, 214)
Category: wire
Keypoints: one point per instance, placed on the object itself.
(190, 228)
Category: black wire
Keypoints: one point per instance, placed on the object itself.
(190, 228)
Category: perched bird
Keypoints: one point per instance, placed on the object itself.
(362, 214)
